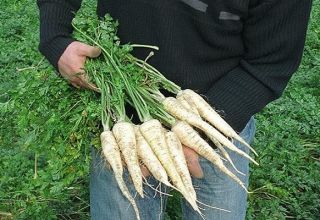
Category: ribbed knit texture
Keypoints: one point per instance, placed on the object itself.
(240, 65)
(55, 27)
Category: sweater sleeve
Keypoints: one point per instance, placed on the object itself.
(55, 27)
(274, 42)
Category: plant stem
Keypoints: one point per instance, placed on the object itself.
(145, 46)
(35, 176)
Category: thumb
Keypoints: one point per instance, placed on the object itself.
(144, 170)
(195, 168)
(193, 164)
(90, 51)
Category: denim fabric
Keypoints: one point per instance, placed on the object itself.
(215, 189)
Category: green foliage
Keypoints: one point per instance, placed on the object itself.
(122, 78)
(286, 185)
(44, 122)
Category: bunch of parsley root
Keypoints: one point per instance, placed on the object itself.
(166, 123)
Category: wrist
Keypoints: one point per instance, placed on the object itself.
(54, 49)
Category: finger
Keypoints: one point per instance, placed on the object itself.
(195, 168)
(93, 87)
(86, 84)
(75, 85)
(78, 82)
(193, 164)
(74, 81)
(73, 74)
(68, 77)
(145, 171)
(90, 51)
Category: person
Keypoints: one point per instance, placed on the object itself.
(239, 54)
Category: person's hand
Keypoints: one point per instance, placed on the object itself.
(145, 171)
(71, 64)
(193, 164)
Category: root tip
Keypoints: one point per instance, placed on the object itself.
(256, 163)
(244, 187)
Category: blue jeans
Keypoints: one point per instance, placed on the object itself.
(215, 189)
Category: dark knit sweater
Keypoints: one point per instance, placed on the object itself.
(239, 53)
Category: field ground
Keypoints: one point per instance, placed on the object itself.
(35, 128)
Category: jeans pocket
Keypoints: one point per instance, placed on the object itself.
(249, 131)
